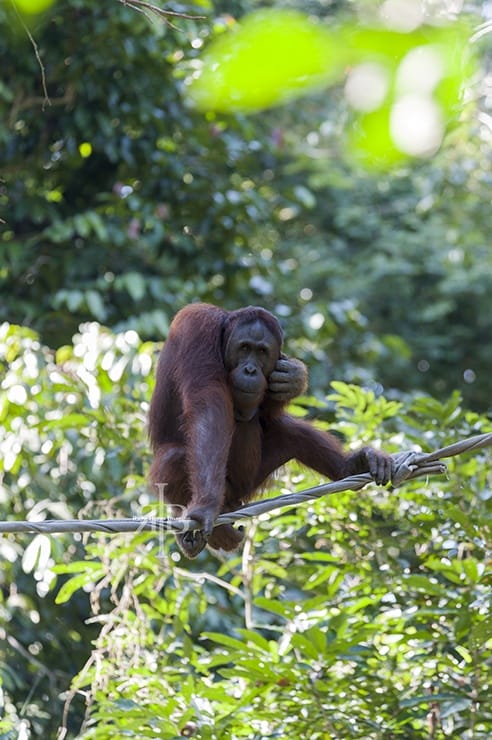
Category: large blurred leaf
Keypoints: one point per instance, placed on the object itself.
(270, 57)
(403, 87)
(33, 7)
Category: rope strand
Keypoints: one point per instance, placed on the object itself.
(407, 466)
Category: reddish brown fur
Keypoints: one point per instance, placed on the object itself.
(208, 461)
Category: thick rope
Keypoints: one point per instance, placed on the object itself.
(407, 465)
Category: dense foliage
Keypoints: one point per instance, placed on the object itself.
(122, 204)
(363, 615)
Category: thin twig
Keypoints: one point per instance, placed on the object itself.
(142, 5)
(46, 100)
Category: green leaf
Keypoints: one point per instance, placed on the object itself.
(226, 640)
(33, 7)
(480, 634)
(257, 639)
(283, 51)
(135, 284)
(306, 648)
(423, 583)
(95, 304)
(70, 421)
(463, 519)
(72, 585)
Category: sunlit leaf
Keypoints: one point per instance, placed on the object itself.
(72, 585)
(425, 71)
(33, 7)
(270, 57)
(402, 87)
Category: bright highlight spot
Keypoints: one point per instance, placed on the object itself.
(316, 321)
(402, 15)
(416, 125)
(421, 70)
(85, 149)
(54, 196)
(367, 86)
(17, 394)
